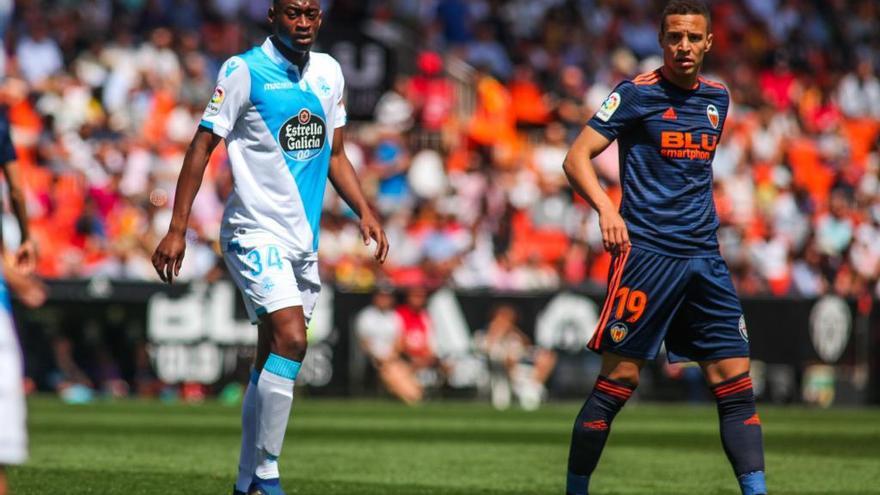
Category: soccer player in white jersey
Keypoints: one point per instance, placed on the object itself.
(279, 107)
(13, 433)
(13, 436)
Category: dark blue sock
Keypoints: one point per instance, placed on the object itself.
(591, 429)
(741, 432)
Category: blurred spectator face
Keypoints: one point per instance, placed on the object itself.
(839, 204)
(685, 39)
(39, 30)
(296, 22)
(554, 133)
(194, 66)
(865, 69)
(572, 80)
(384, 300)
(505, 316)
(416, 297)
(162, 38)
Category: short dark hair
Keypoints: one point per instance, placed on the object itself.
(276, 2)
(685, 7)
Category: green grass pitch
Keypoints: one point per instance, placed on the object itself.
(381, 448)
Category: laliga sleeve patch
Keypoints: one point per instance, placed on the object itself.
(216, 101)
(609, 106)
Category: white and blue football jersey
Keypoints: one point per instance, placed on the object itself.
(13, 433)
(278, 125)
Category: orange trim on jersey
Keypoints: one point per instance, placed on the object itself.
(651, 73)
(619, 264)
(609, 298)
(647, 82)
(647, 78)
(714, 84)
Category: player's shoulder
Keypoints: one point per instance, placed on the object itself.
(639, 85)
(645, 80)
(236, 67)
(324, 61)
(714, 89)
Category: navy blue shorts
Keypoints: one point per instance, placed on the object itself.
(688, 303)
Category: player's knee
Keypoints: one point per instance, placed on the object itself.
(622, 369)
(625, 376)
(291, 342)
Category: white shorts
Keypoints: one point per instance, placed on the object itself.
(13, 433)
(270, 276)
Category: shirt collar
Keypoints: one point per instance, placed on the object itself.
(276, 56)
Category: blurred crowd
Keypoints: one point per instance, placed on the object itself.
(463, 156)
(414, 354)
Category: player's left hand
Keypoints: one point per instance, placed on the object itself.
(26, 257)
(372, 229)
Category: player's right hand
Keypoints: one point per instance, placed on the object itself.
(168, 256)
(615, 237)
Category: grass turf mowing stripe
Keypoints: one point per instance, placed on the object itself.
(375, 447)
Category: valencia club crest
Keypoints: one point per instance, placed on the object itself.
(714, 118)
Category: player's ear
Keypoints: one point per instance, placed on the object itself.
(709, 39)
(270, 16)
(662, 32)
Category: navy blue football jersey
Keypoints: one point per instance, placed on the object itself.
(7, 151)
(667, 136)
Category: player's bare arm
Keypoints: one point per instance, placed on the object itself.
(345, 181)
(168, 257)
(583, 179)
(26, 255)
(29, 289)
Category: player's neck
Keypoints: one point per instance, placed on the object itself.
(684, 82)
(299, 59)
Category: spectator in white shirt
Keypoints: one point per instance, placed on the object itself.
(379, 331)
(38, 55)
(859, 92)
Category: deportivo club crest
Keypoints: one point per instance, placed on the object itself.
(304, 116)
(618, 332)
(302, 137)
(714, 118)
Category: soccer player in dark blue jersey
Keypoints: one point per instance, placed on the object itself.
(668, 282)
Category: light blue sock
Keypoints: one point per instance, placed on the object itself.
(753, 483)
(576, 484)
